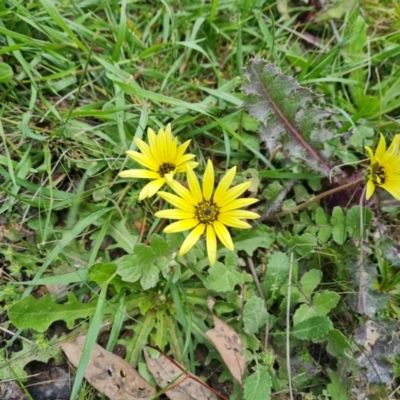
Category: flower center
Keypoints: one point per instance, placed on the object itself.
(166, 168)
(207, 212)
(377, 174)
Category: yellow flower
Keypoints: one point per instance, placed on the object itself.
(204, 211)
(385, 168)
(162, 157)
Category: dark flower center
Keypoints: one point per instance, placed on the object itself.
(207, 212)
(166, 168)
(377, 174)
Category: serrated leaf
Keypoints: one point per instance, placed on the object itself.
(254, 315)
(40, 314)
(258, 385)
(276, 275)
(250, 240)
(13, 367)
(325, 301)
(290, 115)
(313, 328)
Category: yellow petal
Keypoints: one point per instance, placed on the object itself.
(211, 244)
(395, 145)
(393, 189)
(183, 167)
(184, 159)
(177, 201)
(144, 148)
(238, 203)
(380, 150)
(243, 214)
(169, 177)
(139, 173)
(208, 181)
(223, 235)
(223, 186)
(161, 145)
(143, 160)
(191, 239)
(371, 154)
(153, 144)
(194, 185)
(181, 151)
(151, 188)
(233, 222)
(181, 226)
(233, 193)
(370, 189)
(174, 214)
(183, 192)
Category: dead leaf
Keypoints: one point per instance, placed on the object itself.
(228, 344)
(109, 374)
(380, 345)
(181, 385)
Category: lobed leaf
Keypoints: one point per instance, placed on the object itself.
(290, 115)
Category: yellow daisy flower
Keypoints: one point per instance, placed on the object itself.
(385, 168)
(162, 157)
(205, 211)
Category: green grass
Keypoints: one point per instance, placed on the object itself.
(88, 78)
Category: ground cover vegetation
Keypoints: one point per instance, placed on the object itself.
(199, 199)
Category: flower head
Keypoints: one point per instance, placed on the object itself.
(203, 210)
(384, 170)
(162, 157)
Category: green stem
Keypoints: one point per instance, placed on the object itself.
(314, 199)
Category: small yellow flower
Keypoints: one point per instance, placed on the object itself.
(202, 210)
(384, 170)
(162, 157)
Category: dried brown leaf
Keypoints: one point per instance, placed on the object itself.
(228, 344)
(109, 374)
(181, 385)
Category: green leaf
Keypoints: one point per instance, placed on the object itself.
(313, 328)
(14, 366)
(338, 345)
(337, 220)
(6, 73)
(303, 313)
(303, 244)
(132, 266)
(254, 315)
(223, 278)
(309, 282)
(353, 220)
(325, 301)
(261, 237)
(276, 275)
(40, 314)
(160, 246)
(340, 387)
(325, 229)
(149, 277)
(102, 272)
(257, 386)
